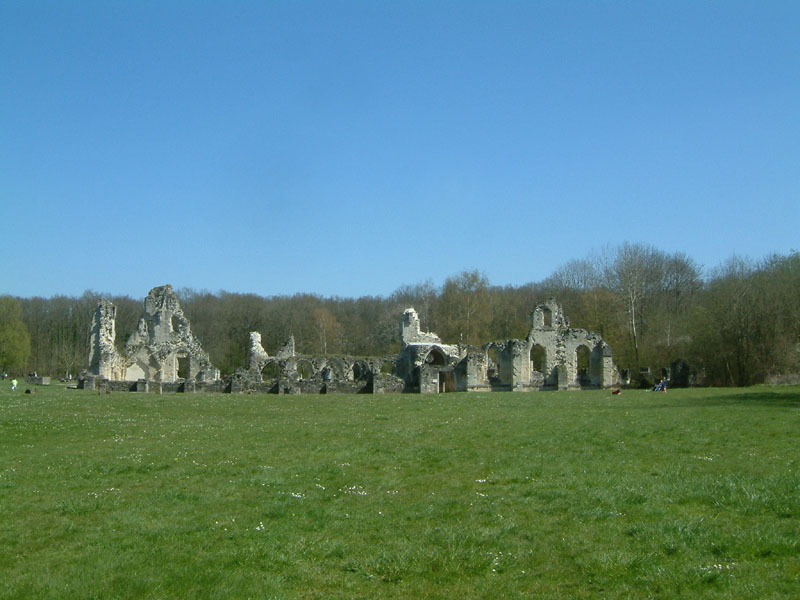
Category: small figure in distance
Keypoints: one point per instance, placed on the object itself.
(13, 384)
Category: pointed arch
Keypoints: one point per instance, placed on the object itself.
(436, 357)
(538, 358)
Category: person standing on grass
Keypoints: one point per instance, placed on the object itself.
(13, 384)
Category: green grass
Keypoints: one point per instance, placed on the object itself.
(691, 494)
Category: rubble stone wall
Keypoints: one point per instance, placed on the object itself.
(163, 355)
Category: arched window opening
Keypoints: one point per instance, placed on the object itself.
(538, 358)
(305, 370)
(492, 364)
(583, 356)
(272, 370)
(337, 369)
(435, 357)
(183, 366)
(360, 372)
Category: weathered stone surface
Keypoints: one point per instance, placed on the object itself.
(425, 363)
(164, 355)
(410, 330)
(561, 346)
(163, 340)
(258, 356)
(104, 360)
(162, 349)
(553, 356)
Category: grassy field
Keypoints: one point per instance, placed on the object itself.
(692, 494)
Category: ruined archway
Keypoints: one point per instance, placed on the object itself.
(361, 371)
(336, 368)
(436, 357)
(136, 371)
(183, 366)
(492, 364)
(538, 358)
(596, 364)
(271, 370)
(583, 365)
(305, 369)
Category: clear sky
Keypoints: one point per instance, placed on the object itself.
(346, 148)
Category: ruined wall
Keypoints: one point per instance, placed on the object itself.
(553, 356)
(163, 354)
(163, 339)
(474, 368)
(104, 360)
(410, 331)
(290, 373)
(425, 364)
(561, 345)
(162, 348)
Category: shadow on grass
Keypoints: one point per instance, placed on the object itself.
(787, 399)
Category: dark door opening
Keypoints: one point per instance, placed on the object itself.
(183, 367)
(447, 382)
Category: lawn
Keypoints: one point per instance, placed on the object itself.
(693, 493)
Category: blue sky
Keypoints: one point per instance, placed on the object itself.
(347, 148)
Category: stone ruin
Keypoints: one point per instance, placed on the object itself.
(552, 357)
(678, 374)
(162, 350)
(291, 373)
(425, 364)
(163, 354)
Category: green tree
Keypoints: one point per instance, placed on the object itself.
(15, 342)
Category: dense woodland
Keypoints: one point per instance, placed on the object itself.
(736, 324)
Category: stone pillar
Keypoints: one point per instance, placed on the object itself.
(562, 379)
(608, 368)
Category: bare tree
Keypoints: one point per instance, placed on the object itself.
(635, 272)
(465, 308)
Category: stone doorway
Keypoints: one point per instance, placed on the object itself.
(183, 366)
(447, 382)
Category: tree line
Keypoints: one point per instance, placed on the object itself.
(736, 324)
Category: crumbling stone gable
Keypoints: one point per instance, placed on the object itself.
(163, 340)
(163, 337)
(561, 345)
